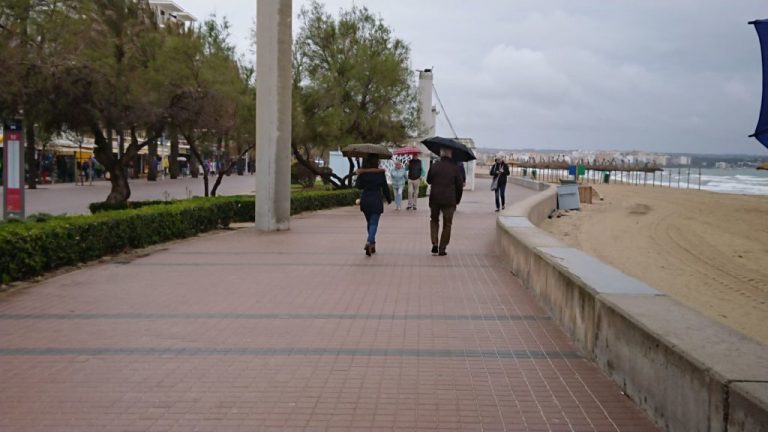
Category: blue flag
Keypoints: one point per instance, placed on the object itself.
(761, 131)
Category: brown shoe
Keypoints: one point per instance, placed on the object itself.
(373, 248)
(367, 249)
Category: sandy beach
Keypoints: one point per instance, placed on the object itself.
(707, 250)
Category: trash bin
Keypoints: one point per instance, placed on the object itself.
(525, 172)
(533, 174)
(606, 177)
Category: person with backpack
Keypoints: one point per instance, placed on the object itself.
(414, 182)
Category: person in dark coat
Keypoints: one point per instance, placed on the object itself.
(500, 172)
(463, 172)
(414, 182)
(373, 182)
(445, 194)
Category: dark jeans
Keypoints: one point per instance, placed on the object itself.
(500, 190)
(434, 225)
(372, 220)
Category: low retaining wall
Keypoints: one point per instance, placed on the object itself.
(685, 370)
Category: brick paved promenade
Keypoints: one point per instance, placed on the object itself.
(242, 331)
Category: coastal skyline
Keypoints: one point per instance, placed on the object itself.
(674, 76)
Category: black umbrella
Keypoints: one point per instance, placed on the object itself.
(461, 153)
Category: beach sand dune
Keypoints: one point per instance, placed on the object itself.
(707, 250)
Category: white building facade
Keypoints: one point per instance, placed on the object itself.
(168, 12)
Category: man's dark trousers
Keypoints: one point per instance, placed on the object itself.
(434, 225)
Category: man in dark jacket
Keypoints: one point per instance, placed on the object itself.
(414, 182)
(445, 178)
(499, 173)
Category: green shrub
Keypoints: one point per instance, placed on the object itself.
(101, 206)
(28, 249)
(302, 175)
(44, 243)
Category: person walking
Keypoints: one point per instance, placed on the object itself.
(84, 172)
(399, 175)
(463, 172)
(373, 182)
(414, 182)
(500, 172)
(445, 194)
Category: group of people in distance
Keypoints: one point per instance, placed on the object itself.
(412, 175)
(446, 179)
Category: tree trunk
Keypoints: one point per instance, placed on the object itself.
(120, 189)
(219, 176)
(194, 168)
(196, 153)
(118, 175)
(194, 163)
(348, 178)
(120, 144)
(228, 169)
(173, 164)
(152, 161)
(32, 171)
(336, 181)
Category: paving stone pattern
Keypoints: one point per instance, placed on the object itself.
(299, 330)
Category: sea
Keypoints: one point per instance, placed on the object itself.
(742, 181)
(747, 181)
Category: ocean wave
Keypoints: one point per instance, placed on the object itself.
(726, 181)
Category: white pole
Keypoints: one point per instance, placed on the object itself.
(273, 114)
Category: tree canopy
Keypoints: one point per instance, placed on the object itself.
(102, 68)
(107, 70)
(353, 82)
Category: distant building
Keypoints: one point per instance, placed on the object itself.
(170, 12)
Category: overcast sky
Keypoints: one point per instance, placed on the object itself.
(659, 75)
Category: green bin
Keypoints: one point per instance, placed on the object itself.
(533, 174)
(525, 172)
(606, 177)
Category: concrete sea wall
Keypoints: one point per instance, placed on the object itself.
(685, 370)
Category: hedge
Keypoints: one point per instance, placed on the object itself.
(102, 206)
(33, 247)
(300, 201)
(45, 243)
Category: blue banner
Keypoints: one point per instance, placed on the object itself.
(761, 131)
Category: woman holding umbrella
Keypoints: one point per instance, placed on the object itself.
(373, 182)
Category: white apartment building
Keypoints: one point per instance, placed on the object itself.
(169, 11)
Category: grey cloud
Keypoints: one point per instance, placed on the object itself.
(675, 75)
